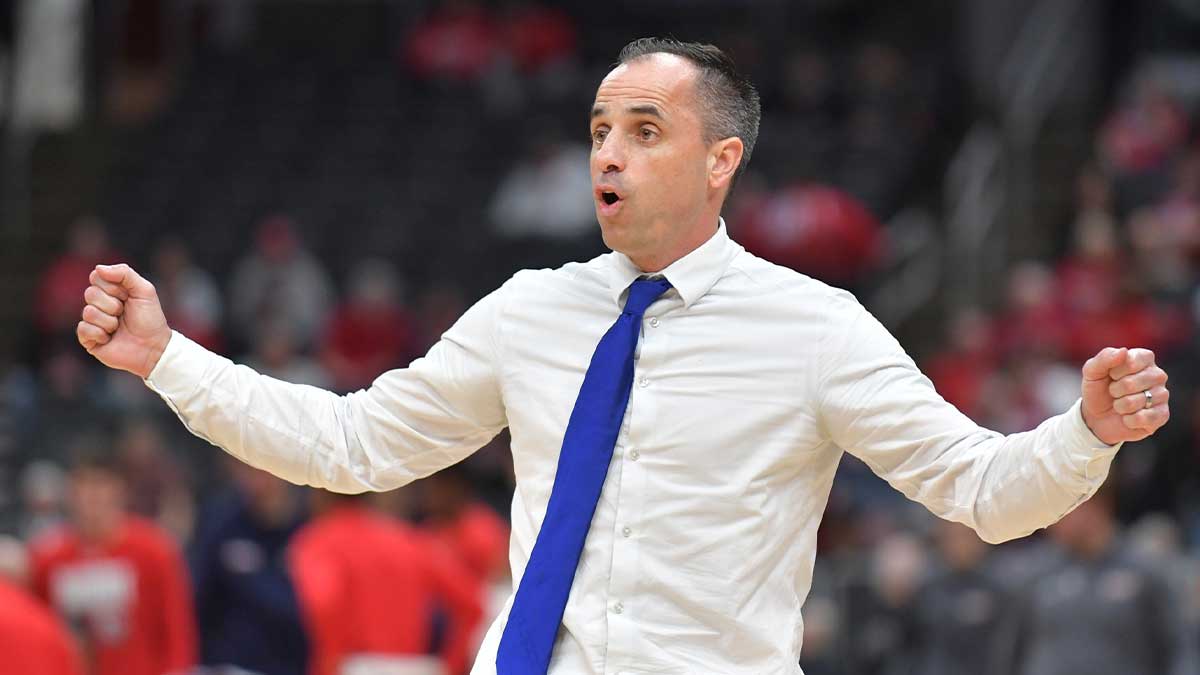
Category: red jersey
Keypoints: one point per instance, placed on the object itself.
(129, 598)
(32, 639)
(369, 584)
(479, 537)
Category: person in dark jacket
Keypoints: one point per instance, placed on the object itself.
(962, 613)
(245, 604)
(1101, 610)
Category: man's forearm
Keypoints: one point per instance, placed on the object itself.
(399, 430)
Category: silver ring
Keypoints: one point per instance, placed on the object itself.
(1149, 398)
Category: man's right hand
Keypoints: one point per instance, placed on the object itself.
(123, 323)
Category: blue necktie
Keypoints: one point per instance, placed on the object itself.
(582, 465)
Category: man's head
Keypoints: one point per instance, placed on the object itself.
(672, 126)
(98, 491)
(960, 547)
(1088, 531)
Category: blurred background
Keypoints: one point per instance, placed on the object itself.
(319, 189)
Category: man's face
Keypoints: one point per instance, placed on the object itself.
(97, 501)
(649, 162)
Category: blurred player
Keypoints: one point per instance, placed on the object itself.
(32, 639)
(962, 613)
(472, 532)
(246, 605)
(117, 579)
(370, 588)
(1100, 611)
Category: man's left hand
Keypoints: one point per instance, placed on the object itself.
(1115, 404)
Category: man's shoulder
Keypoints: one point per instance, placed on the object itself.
(149, 537)
(577, 273)
(774, 278)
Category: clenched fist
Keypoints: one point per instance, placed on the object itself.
(123, 323)
(1125, 395)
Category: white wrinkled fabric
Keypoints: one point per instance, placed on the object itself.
(750, 381)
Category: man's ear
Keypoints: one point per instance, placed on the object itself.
(724, 157)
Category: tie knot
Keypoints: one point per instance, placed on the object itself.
(643, 293)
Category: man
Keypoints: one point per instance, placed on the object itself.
(1100, 610)
(675, 531)
(246, 605)
(961, 613)
(370, 588)
(118, 579)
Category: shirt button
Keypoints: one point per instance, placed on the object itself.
(654, 322)
(634, 454)
(618, 608)
(626, 531)
(643, 382)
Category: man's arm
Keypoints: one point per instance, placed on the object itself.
(410, 423)
(876, 404)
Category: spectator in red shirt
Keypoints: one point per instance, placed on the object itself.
(371, 331)
(1103, 304)
(473, 533)
(57, 306)
(961, 370)
(1032, 320)
(369, 588)
(118, 579)
(157, 485)
(32, 639)
(189, 293)
(536, 36)
(815, 229)
(469, 528)
(457, 43)
(1142, 133)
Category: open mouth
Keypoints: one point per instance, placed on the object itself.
(608, 200)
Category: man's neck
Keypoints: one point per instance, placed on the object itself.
(101, 534)
(654, 263)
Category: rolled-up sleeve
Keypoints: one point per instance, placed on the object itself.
(875, 404)
(408, 424)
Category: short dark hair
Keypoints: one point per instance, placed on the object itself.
(731, 103)
(91, 452)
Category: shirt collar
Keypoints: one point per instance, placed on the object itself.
(692, 275)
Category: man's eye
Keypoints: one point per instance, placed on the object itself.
(648, 133)
(598, 135)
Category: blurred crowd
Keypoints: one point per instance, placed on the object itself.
(159, 554)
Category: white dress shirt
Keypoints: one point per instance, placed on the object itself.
(750, 381)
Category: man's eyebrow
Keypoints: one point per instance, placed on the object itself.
(645, 109)
(641, 109)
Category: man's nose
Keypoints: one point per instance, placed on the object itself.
(610, 156)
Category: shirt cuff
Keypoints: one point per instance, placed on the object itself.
(180, 369)
(1090, 456)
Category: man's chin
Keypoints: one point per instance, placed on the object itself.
(613, 231)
